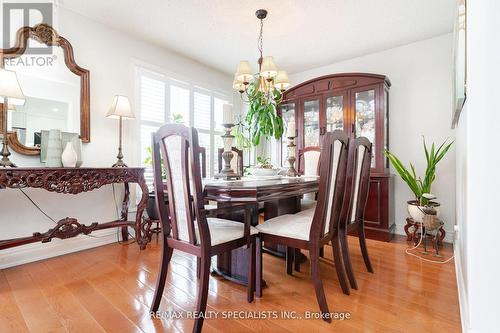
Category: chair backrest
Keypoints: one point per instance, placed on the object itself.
(308, 162)
(177, 147)
(358, 179)
(203, 160)
(334, 152)
(236, 161)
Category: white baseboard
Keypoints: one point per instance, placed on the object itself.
(462, 295)
(38, 251)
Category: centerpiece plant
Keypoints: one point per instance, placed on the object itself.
(262, 118)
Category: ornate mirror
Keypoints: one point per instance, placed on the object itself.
(57, 90)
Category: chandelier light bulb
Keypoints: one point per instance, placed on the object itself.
(238, 85)
(281, 81)
(268, 69)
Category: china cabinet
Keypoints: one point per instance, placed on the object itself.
(358, 104)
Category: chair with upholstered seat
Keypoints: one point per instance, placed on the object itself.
(295, 231)
(308, 162)
(357, 187)
(185, 225)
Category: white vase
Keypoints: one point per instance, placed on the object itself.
(77, 145)
(69, 156)
(54, 149)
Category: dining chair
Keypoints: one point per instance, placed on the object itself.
(357, 187)
(296, 231)
(236, 161)
(202, 151)
(184, 222)
(308, 163)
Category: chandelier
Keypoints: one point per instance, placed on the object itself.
(268, 79)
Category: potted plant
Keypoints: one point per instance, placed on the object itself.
(417, 185)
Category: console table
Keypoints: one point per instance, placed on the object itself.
(75, 181)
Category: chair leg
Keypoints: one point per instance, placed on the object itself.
(166, 255)
(296, 260)
(362, 245)
(289, 259)
(251, 271)
(258, 267)
(318, 284)
(347, 258)
(201, 303)
(339, 266)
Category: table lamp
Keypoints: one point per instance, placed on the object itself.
(11, 93)
(120, 108)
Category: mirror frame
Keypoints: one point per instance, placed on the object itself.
(45, 34)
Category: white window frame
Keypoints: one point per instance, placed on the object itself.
(168, 80)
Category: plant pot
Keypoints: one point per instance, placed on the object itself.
(151, 208)
(415, 210)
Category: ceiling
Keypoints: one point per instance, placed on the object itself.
(299, 34)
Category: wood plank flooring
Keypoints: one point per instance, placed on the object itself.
(110, 288)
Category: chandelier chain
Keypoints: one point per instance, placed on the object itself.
(260, 41)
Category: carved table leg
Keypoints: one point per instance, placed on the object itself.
(124, 217)
(142, 226)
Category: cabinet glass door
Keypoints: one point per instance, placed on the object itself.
(365, 117)
(335, 113)
(311, 123)
(288, 115)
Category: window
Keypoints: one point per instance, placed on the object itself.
(163, 99)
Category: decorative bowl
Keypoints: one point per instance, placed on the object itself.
(264, 172)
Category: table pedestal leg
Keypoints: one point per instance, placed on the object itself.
(233, 265)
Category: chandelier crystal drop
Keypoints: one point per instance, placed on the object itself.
(269, 78)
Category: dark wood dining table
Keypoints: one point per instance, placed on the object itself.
(279, 196)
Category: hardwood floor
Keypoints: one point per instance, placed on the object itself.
(110, 288)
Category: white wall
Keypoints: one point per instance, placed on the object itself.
(111, 57)
(420, 104)
(477, 180)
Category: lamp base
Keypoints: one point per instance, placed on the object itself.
(119, 164)
(5, 162)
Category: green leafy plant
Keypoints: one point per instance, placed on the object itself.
(149, 161)
(178, 118)
(262, 117)
(241, 134)
(263, 160)
(419, 185)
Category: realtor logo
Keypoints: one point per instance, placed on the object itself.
(26, 13)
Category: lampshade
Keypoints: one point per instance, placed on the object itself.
(244, 72)
(281, 81)
(120, 108)
(238, 85)
(10, 88)
(268, 69)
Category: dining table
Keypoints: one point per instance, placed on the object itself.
(273, 196)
